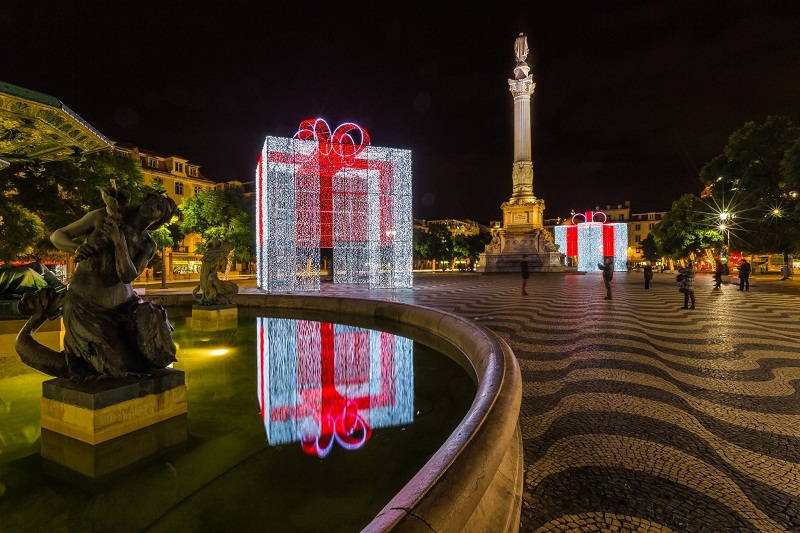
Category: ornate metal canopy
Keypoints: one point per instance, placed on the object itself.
(35, 127)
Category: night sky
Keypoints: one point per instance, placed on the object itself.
(632, 98)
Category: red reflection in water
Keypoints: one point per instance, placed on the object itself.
(326, 381)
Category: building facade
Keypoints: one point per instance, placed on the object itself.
(181, 179)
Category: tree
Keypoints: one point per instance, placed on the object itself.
(222, 215)
(685, 229)
(650, 248)
(441, 243)
(20, 230)
(61, 192)
(471, 246)
(753, 180)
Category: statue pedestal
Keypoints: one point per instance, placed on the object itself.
(100, 427)
(214, 317)
(101, 410)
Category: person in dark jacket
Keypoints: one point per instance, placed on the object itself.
(648, 276)
(744, 275)
(608, 274)
(525, 274)
(687, 285)
(719, 269)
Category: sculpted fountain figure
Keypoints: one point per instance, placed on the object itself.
(109, 330)
(211, 290)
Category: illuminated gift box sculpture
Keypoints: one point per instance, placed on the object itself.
(328, 190)
(321, 383)
(592, 241)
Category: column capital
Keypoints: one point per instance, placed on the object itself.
(523, 87)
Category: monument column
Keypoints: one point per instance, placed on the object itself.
(522, 87)
(522, 233)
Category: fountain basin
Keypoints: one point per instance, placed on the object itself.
(474, 481)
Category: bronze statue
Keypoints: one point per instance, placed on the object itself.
(109, 330)
(16, 281)
(214, 290)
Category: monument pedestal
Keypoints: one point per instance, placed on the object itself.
(102, 426)
(522, 234)
(214, 317)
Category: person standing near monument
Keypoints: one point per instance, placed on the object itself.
(525, 274)
(744, 275)
(719, 269)
(687, 285)
(608, 274)
(648, 275)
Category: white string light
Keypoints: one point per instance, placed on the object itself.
(370, 226)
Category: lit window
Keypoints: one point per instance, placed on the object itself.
(179, 188)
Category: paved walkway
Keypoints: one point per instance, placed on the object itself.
(638, 415)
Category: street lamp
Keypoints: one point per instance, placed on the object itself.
(724, 227)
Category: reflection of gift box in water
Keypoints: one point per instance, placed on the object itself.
(321, 383)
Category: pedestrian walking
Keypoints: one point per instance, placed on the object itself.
(744, 275)
(147, 275)
(608, 274)
(648, 275)
(718, 270)
(525, 274)
(686, 277)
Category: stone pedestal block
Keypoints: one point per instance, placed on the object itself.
(214, 317)
(101, 410)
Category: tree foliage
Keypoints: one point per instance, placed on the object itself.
(685, 229)
(59, 193)
(756, 178)
(223, 215)
(471, 246)
(20, 229)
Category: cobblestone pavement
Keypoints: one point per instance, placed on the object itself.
(638, 415)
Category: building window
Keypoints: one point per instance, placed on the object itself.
(158, 180)
(637, 227)
(153, 162)
(197, 189)
(193, 171)
(638, 238)
(649, 226)
(179, 188)
(178, 167)
(622, 217)
(651, 216)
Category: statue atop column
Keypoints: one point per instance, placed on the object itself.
(521, 51)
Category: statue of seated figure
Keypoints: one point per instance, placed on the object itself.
(211, 290)
(109, 331)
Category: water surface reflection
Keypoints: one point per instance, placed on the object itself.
(321, 383)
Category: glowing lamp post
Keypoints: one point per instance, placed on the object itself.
(724, 227)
